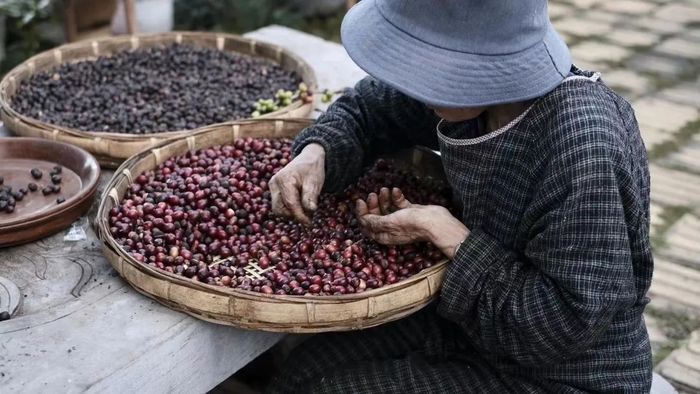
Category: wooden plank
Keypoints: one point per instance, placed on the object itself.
(81, 328)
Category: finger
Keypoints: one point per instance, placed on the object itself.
(310, 189)
(361, 208)
(398, 199)
(374, 223)
(373, 204)
(278, 207)
(291, 199)
(383, 238)
(384, 200)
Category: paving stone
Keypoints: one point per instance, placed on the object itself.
(685, 93)
(656, 334)
(633, 38)
(688, 157)
(675, 287)
(693, 34)
(655, 211)
(578, 26)
(658, 25)
(681, 13)
(673, 187)
(680, 47)
(682, 367)
(604, 16)
(558, 10)
(682, 241)
(660, 65)
(583, 3)
(630, 81)
(653, 136)
(662, 114)
(591, 66)
(597, 52)
(632, 7)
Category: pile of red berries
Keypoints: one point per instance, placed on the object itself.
(207, 215)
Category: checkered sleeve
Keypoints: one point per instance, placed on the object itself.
(365, 121)
(555, 298)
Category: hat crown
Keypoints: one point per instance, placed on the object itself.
(486, 27)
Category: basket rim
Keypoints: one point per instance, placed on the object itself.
(128, 137)
(110, 242)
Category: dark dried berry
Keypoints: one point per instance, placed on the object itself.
(18, 195)
(4, 315)
(23, 191)
(56, 188)
(10, 208)
(32, 187)
(56, 179)
(36, 173)
(3, 205)
(47, 190)
(57, 169)
(152, 90)
(60, 200)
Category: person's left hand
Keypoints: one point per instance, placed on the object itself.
(390, 219)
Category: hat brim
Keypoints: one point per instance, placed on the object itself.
(445, 78)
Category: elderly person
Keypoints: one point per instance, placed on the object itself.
(550, 255)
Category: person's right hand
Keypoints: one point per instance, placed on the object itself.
(295, 188)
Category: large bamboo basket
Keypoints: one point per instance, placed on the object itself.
(112, 148)
(253, 310)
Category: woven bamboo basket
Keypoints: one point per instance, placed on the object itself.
(112, 148)
(298, 314)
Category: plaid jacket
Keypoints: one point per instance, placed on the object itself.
(550, 286)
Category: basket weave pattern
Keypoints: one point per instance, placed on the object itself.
(251, 310)
(113, 148)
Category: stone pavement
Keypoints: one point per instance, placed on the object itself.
(649, 51)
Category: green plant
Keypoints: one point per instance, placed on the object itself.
(24, 38)
(236, 16)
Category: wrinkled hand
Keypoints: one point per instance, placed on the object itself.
(295, 188)
(390, 219)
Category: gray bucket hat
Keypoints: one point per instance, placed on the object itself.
(458, 53)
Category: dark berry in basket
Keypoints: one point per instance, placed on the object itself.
(206, 215)
(18, 195)
(32, 187)
(47, 190)
(23, 191)
(60, 200)
(55, 188)
(4, 315)
(10, 208)
(36, 173)
(57, 170)
(55, 179)
(3, 205)
(152, 90)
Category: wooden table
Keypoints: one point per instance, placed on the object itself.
(80, 328)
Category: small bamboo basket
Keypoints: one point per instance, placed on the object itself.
(113, 148)
(244, 309)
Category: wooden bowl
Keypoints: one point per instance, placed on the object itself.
(251, 310)
(113, 148)
(37, 216)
